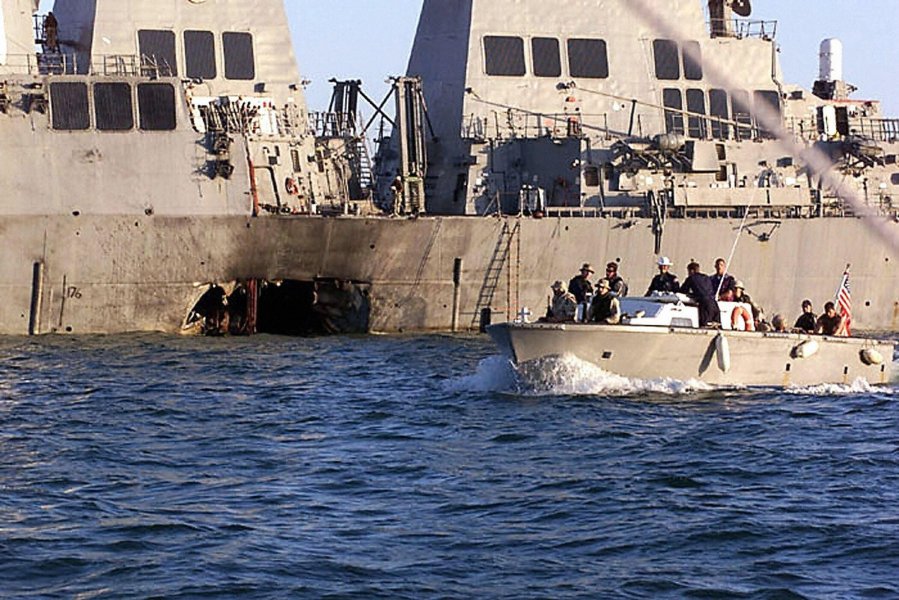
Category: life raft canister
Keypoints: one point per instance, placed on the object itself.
(739, 313)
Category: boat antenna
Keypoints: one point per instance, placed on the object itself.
(733, 249)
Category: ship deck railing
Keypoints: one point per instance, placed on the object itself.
(103, 65)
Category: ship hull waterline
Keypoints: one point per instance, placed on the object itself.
(744, 359)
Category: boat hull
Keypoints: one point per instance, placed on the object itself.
(742, 359)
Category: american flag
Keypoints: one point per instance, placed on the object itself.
(844, 300)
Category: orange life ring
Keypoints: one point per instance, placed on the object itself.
(291, 186)
(740, 312)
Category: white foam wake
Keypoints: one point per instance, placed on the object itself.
(859, 386)
(564, 376)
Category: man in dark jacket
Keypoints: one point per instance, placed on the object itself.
(722, 281)
(616, 282)
(580, 285)
(808, 320)
(699, 287)
(605, 308)
(665, 282)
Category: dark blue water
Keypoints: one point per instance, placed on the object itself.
(418, 467)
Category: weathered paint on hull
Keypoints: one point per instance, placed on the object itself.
(108, 274)
(755, 359)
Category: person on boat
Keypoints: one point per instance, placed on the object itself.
(51, 33)
(605, 307)
(721, 280)
(616, 282)
(808, 320)
(665, 282)
(831, 323)
(740, 295)
(778, 324)
(563, 306)
(580, 284)
(699, 287)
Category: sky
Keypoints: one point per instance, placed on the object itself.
(371, 40)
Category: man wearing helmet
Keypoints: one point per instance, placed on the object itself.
(665, 281)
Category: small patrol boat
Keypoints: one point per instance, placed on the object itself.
(659, 337)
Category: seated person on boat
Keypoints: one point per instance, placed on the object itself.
(605, 308)
(563, 305)
(831, 323)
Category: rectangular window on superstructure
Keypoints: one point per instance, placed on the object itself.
(692, 61)
(199, 54)
(720, 114)
(742, 113)
(771, 100)
(504, 56)
(113, 107)
(547, 57)
(157, 50)
(696, 125)
(69, 109)
(588, 58)
(674, 116)
(667, 59)
(240, 61)
(156, 104)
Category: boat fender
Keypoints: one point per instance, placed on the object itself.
(722, 351)
(291, 186)
(870, 356)
(805, 349)
(741, 314)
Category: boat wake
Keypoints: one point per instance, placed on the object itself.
(564, 376)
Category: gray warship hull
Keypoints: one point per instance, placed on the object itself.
(107, 274)
(752, 358)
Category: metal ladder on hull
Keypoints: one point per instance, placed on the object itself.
(498, 262)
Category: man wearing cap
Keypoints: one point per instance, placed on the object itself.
(665, 282)
(563, 305)
(740, 295)
(605, 307)
(699, 287)
(616, 282)
(808, 320)
(580, 284)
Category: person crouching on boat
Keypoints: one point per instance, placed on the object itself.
(563, 305)
(830, 323)
(605, 308)
(699, 287)
(665, 282)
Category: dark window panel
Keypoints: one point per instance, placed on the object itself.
(240, 61)
(113, 107)
(667, 59)
(504, 56)
(199, 54)
(157, 48)
(588, 58)
(718, 108)
(771, 99)
(674, 117)
(69, 105)
(742, 113)
(692, 61)
(156, 103)
(696, 125)
(547, 57)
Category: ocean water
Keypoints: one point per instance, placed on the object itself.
(427, 467)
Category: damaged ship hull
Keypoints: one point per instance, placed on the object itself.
(109, 274)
